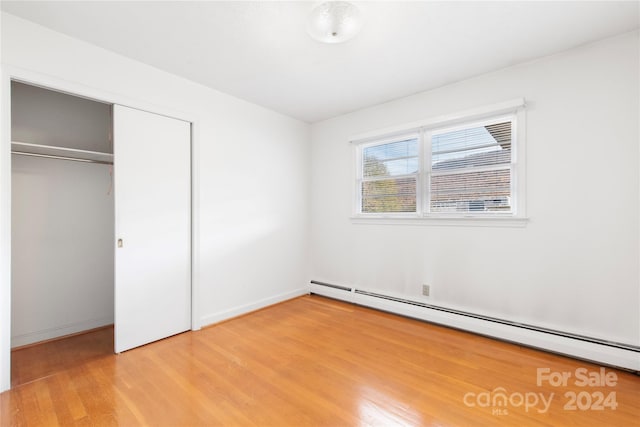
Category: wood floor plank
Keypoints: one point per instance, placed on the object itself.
(310, 361)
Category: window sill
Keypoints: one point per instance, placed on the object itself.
(462, 221)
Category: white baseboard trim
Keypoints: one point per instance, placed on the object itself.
(212, 318)
(590, 351)
(59, 331)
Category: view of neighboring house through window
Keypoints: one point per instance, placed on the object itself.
(466, 170)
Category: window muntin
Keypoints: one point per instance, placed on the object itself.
(467, 170)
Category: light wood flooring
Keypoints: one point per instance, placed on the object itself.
(310, 361)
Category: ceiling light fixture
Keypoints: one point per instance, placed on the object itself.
(334, 22)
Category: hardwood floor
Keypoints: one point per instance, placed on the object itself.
(38, 361)
(313, 361)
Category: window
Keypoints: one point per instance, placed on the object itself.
(471, 169)
(390, 176)
(467, 170)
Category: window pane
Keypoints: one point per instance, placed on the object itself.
(471, 170)
(471, 192)
(373, 167)
(389, 195)
(391, 159)
(473, 147)
(470, 158)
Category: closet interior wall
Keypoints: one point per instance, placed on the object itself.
(62, 218)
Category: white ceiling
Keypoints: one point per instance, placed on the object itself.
(259, 51)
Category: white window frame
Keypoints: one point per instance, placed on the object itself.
(510, 110)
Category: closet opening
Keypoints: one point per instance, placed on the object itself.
(62, 231)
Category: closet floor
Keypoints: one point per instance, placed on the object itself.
(42, 360)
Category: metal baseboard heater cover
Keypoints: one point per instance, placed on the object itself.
(482, 317)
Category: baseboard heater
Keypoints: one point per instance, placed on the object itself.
(583, 338)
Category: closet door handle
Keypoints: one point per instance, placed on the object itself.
(120, 243)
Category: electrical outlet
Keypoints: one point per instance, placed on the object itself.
(425, 290)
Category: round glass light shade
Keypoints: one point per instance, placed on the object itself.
(334, 22)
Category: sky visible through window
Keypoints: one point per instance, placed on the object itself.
(395, 158)
(461, 143)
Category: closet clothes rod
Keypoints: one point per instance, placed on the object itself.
(51, 156)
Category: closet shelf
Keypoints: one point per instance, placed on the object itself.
(53, 152)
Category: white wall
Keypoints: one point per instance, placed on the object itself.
(251, 168)
(574, 267)
(41, 116)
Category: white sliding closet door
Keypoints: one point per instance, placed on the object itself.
(152, 180)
